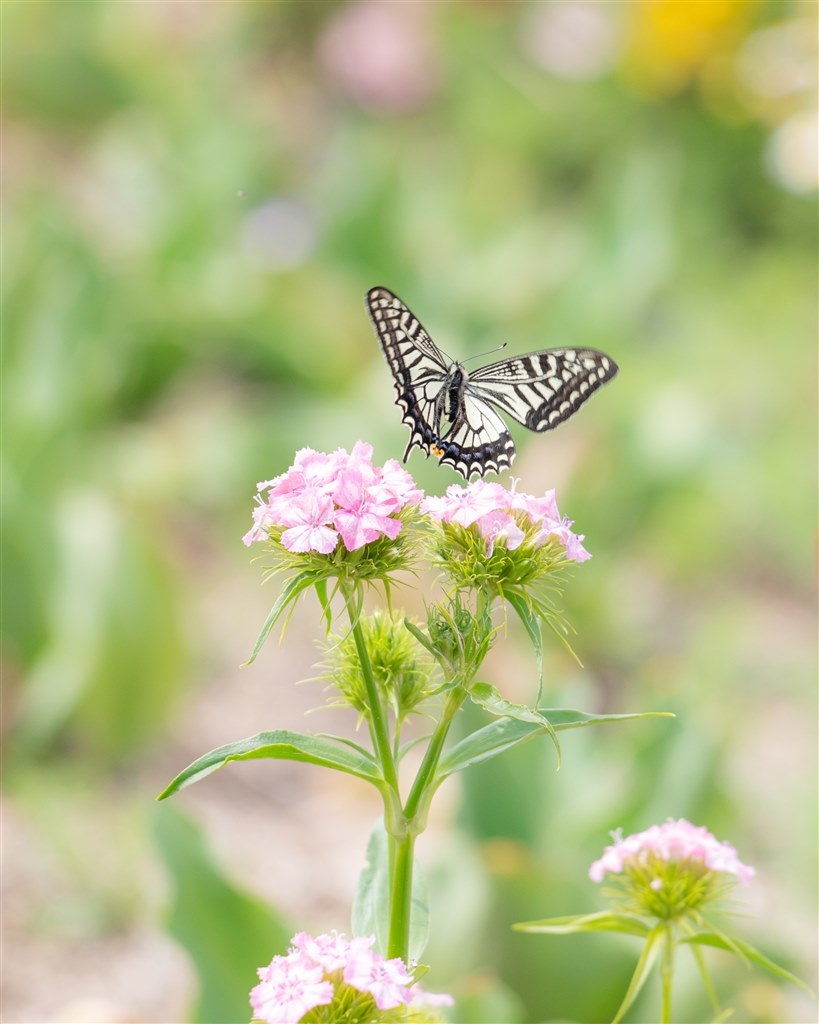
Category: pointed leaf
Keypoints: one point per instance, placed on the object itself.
(280, 745)
(506, 733)
(371, 904)
(642, 970)
(531, 624)
(421, 637)
(747, 951)
(324, 601)
(488, 698)
(605, 921)
(290, 591)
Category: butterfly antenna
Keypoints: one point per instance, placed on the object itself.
(480, 355)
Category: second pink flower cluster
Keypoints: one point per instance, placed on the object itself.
(672, 841)
(324, 498)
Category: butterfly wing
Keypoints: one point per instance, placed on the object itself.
(478, 439)
(541, 390)
(418, 367)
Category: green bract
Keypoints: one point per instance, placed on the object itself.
(401, 667)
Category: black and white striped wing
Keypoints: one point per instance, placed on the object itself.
(418, 367)
(541, 390)
(478, 440)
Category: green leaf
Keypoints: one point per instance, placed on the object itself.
(642, 970)
(488, 698)
(324, 601)
(506, 733)
(422, 638)
(531, 624)
(281, 745)
(226, 932)
(290, 591)
(605, 921)
(748, 952)
(371, 904)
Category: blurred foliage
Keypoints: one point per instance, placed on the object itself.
(227, 932)
(200, 194)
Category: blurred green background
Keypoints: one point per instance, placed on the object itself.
(197, 197)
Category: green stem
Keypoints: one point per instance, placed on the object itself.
(377, 719)
(402, 847)
(667, 975)
(401, 862)
(432, 756)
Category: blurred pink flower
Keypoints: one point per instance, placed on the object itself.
(320, 968)
(381, 54)
(574, 39)
(288, 988)
(323, 496)
(672, 841)
(491, 508)
(331, 951)
(385, 980)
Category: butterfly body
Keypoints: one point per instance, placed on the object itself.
(455, 415)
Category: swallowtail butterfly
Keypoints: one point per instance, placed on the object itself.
(455, 414)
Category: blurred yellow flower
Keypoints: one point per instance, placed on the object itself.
(669, 41)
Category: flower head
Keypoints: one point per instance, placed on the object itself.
(501, 515)
(288, 988)
(337, 514)
(402, 669)
(345, 975)
(671, 869)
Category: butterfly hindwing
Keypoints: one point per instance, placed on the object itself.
(450, 412)
(479, 442)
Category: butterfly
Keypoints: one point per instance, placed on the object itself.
(456, 415)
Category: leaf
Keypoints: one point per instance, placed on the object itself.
(605, 921)
(324, 601)
(280, 745)
(532, 626)
(748, 952)
(371, 904)
(421, 637)
(290, 591)
(227, 933)
(489, 698)
(506, 733)
(642, 970)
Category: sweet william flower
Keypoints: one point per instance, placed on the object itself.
(671, 871)
(499, 514)
(675, 842)
(338, 978)
(288, 988)
(386, 981)
(327, 497)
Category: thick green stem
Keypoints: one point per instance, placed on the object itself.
(377, 719)
(402, 850)
(415, 813)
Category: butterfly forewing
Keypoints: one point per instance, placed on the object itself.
(450, 412)
(417, 366)
(543, 389)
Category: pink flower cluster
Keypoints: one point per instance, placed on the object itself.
(290, 986)
(491, 508)
(671, 841)
(326, 496)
